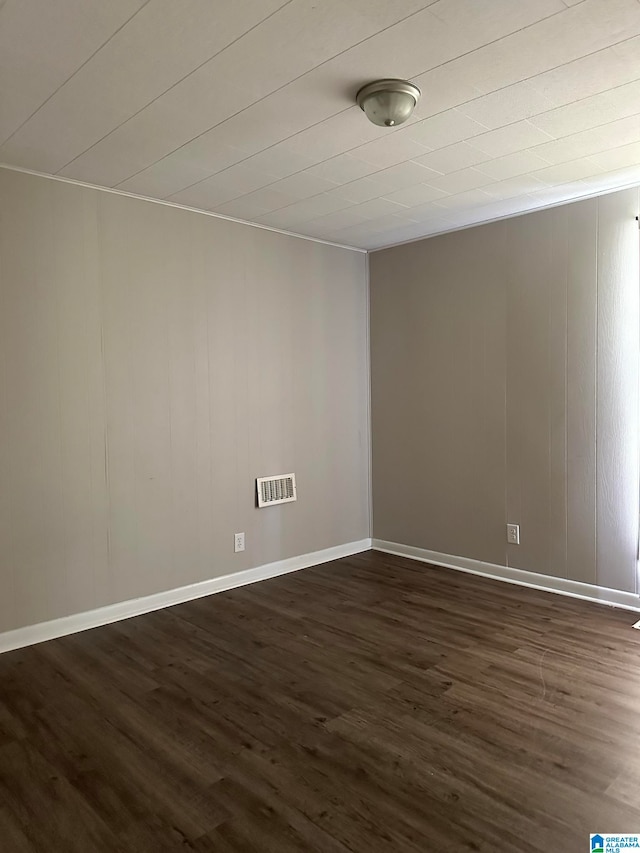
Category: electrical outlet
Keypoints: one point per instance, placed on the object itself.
(238, 542)
(513, 534)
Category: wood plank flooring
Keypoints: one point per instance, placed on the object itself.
(370, 704)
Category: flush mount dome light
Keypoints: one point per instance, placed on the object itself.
(388, 103)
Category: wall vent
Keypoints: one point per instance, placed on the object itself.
(280, 489)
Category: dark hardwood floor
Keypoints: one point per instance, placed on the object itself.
(370, 704)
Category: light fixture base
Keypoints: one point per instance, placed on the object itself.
(388, 102)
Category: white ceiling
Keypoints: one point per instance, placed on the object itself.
(247, 108)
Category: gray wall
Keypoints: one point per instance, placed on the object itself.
(504, 367)
(153, 362)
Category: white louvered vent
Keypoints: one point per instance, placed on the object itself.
(276, 490)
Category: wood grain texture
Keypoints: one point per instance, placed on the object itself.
(370, 704)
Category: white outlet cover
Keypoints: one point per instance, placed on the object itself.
(238, 542)
(513, 534)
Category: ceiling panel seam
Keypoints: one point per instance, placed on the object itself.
(310, 71)
(340, 112)
(76, 71)
(259, 100)
(409, 160)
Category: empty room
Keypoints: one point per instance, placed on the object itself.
(319, 426)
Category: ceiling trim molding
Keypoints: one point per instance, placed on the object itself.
(574, 199)
(115, 191)
(546, 206)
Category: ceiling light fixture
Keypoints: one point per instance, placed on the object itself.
(388, 103)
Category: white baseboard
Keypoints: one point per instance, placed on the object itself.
(32, 634)
(548, 583)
